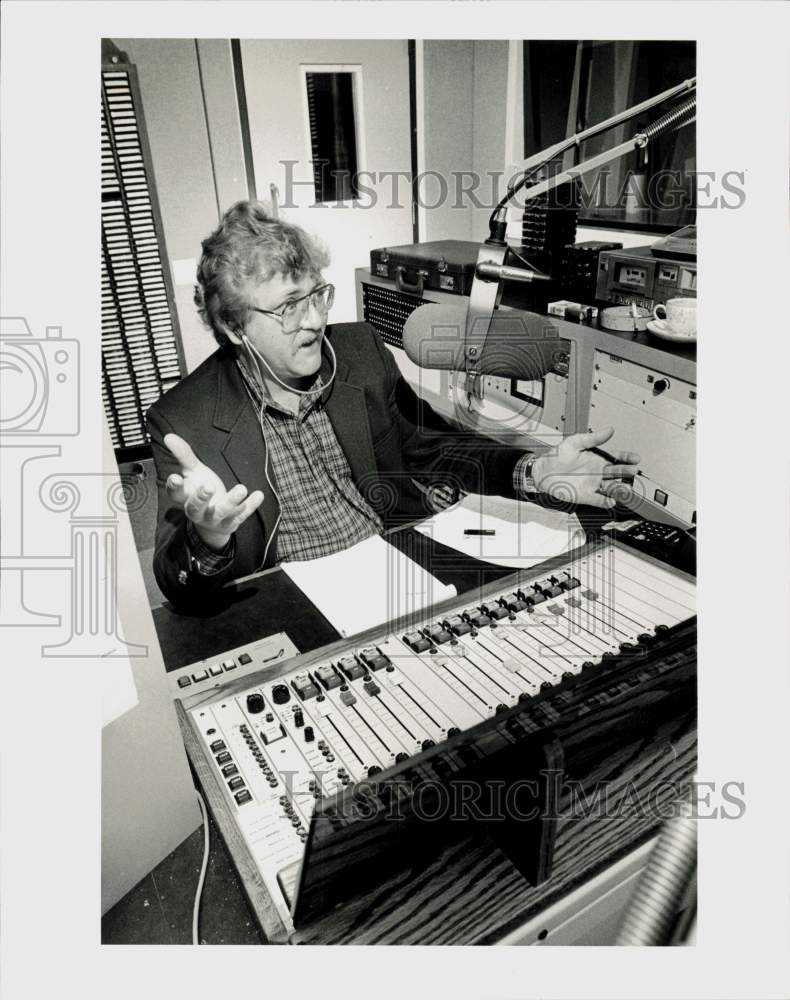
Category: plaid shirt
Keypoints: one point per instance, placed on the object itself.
(321, 510)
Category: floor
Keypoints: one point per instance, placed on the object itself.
(158, 910)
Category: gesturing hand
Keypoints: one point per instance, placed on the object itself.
(215, 512)
(571, 472)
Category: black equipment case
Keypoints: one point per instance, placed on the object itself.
(444, 266)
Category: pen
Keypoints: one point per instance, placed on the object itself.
(610, 458)
(479, 531)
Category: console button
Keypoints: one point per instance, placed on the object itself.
(242, 796)
(532, 596)
(494, 610)
(351, 668)
(438, 635)
(184, 682)
(374, 658)
(304, 687)
(513, 602)
(476, 618)
(417, 642)
(457, 625)
(328, 676)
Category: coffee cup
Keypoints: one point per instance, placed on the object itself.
(680, 315)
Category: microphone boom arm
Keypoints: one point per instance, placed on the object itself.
(545, 155)
(490, 270)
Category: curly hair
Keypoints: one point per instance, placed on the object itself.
(249, 244)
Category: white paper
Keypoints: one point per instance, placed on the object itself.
(524, 533)
(119, 692)
(366, 585)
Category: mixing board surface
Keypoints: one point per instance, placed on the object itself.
(277, 745)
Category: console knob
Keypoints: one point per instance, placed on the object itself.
(280, 694)
(255, 702)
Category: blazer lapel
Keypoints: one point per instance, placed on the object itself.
(348, 413)
(235, 414)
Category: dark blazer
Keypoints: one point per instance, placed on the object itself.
(387, 434)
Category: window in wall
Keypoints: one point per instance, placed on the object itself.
(141, 346)
(331, 113)
(569, 86)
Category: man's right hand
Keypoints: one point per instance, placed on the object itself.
(215, 512)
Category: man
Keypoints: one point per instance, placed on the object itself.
(295, 440)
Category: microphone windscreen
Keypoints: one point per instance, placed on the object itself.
(518, 344)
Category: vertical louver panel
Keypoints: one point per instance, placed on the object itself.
(315, 149)
(141, 353)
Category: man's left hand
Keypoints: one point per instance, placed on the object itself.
(574, 474)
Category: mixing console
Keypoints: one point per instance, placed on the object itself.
(279, 744)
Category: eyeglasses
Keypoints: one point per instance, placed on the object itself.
(290, 316)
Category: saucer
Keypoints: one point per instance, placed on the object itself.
(659, 328)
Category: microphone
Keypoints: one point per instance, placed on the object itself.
(517, 344)
(489, 271)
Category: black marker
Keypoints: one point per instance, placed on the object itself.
(479, 531)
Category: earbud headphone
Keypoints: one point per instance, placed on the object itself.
(257, 358)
